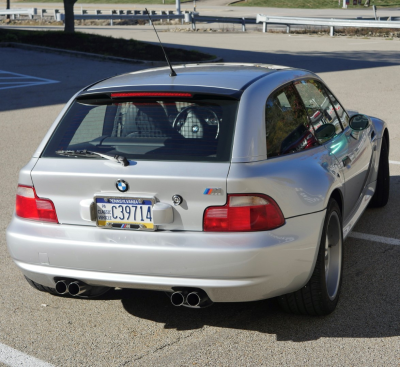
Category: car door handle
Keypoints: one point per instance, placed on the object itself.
(346, 161)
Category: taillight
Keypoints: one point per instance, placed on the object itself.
(30, 206)
(243, 213)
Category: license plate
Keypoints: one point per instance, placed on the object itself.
(125, 213)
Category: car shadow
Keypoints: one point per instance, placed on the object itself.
(355, 316)
(368, 305)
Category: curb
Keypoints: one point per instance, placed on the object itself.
(89, 55)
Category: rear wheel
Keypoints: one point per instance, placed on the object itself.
(321, 294)
(381, 195)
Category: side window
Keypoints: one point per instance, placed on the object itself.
(288, 129)
(343, 116)
(318, 105)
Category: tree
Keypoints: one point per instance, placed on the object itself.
(69, 21)
(8, 7)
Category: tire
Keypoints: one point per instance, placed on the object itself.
(381, 196)
(320, 295)
(42, 288)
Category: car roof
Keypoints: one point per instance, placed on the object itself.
(233, 76)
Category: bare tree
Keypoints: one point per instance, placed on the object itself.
(69, 22)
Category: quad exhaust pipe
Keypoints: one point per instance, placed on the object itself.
(192, 299)
(186, 297)
(77, 288)
(74, 288)
(62, 287)
(178, 298)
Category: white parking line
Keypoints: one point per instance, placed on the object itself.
(394, 162)
(13, 358)
(10, 80)
(372, 237)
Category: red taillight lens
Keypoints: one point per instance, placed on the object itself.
(150, 94)
(244, 213)
(30, 206)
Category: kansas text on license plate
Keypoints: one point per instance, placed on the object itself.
(126, 213)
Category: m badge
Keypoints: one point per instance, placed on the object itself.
(213, 191)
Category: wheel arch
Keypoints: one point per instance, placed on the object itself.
(386, 136)
(338, 196)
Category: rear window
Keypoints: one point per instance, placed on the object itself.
(194, 129)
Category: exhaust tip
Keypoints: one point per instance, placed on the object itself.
(61, 287)
(74, 288)
(193, 299)
(177, 299)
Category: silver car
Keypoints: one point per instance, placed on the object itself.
(225, 183)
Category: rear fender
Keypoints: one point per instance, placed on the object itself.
(300, 183)
(25, 173)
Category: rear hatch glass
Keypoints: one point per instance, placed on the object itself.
(186, 129)
(174, 147)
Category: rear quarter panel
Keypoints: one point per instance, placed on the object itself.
(300, 183)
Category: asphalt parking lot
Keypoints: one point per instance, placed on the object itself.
(142, 328)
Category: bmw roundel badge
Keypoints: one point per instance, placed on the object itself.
(122, 185)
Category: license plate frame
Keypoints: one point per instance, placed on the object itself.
(132, 201)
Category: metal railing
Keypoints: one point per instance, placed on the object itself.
(134, 15)
(193, 17)
(331, 23)
(51, 13)
(17, 12)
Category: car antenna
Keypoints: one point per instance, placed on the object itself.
(165, 54)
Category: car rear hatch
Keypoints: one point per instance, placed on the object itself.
(178, 146)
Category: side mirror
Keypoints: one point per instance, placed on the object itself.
(359, 122)
(325, 132)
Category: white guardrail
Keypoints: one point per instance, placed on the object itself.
(332, 23)
(125, 14)
(13, 12)
(193, 17)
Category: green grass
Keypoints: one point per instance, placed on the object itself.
(102, 45)
(315, 4)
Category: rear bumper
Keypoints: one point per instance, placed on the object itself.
(230, 267)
